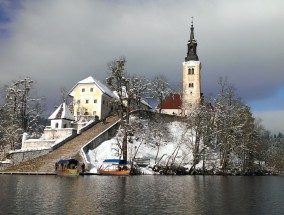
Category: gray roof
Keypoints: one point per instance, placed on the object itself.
(146, 103)
(62, 112)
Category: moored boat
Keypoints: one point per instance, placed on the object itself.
(114, 167)
(68, 167)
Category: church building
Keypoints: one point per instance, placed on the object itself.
(191, 85)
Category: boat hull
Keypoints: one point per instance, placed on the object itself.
(68, 172)
(114, 172)
(114, 167)
(67, 167)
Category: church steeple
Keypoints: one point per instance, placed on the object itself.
(191, 80)
(191, 46)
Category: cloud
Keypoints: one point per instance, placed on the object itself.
(58, 43)
(272, 120)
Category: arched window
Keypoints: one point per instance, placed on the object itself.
(190, 85)
(56, 125)
(65, 126)
(190, 71)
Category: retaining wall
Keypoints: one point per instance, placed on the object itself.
(58, 133)
(4, 166)
(160, 117)
(20, 156)
(36, 143)
(98, 140)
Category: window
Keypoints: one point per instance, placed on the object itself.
(83, 90)
(91, 89)
(87, 101)
(95, 100)
(190, 71)
(94, 113)
(190, 85)
(56, 125)
(103, 102)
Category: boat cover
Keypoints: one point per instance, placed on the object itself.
(69, 161)
(116, 161)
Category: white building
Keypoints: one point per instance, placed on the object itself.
(92, 99)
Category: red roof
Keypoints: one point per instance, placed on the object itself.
(173, 101)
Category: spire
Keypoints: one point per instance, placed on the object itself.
(191, 30)
(191, 45)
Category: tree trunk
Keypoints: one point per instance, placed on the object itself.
(124, 146)
(157, 153)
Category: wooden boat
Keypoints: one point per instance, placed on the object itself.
(68, 167)
(114, 167)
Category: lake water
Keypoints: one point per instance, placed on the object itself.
(27, 194)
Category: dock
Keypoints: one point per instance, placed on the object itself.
(41, 173)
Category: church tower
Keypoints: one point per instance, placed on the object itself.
(191, 94)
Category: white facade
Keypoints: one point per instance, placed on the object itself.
(191, 85)
(61, 117)
(92, 99)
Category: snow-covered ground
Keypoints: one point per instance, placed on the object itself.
(164, 144)
(177, 132)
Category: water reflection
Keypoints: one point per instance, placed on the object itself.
(141, 195)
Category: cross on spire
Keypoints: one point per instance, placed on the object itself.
(191, 45)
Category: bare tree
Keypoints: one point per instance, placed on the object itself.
(136, 90)
(22, 112)
(159, 89)
(64, 94)
(128, 89)
(81, 109)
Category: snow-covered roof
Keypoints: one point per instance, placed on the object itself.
(88, 80)
(101, 86)
(124, 95)
(62, 112)
(105, 89)
(146, 103)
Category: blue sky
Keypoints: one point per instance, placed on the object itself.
(58, 43)
(275, 102)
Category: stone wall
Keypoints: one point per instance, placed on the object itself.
(51, 134)
(159, 117)
(4, 165)
(95, 142)
(82, 128)
(37, 143)
(172, 111)
(20, 156)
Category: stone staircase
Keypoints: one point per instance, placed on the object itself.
(71, 149)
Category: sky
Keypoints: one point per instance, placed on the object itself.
(59, 43)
